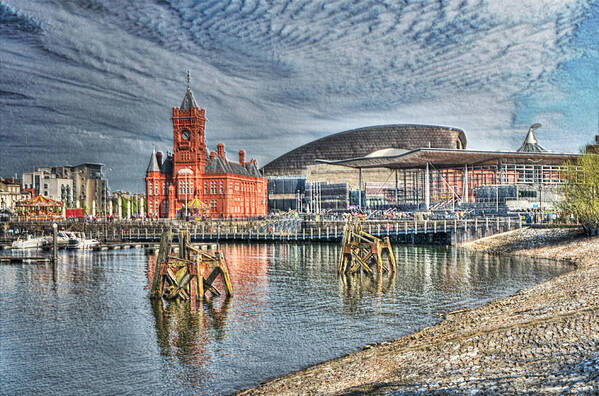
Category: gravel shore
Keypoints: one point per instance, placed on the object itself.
(544, 339)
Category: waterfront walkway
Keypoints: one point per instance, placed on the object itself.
(443, 232)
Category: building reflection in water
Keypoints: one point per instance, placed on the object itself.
(186, 329)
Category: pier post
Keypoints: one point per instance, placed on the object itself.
(54, 243)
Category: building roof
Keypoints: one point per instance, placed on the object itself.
(360, 142)
(530, 144)
(218, 165)
(167, 165)
(188, 100)
(39, 201)
(153, 165)
(452, 158)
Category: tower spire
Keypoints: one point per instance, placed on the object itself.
(530, 144)
(188, 100)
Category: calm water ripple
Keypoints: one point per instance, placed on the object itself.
(90, 328)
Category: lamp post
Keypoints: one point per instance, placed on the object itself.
(186, 172)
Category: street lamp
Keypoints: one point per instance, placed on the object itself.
(186, 172)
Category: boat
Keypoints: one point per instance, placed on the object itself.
(62, 240)
(28, 242)
(79, 241)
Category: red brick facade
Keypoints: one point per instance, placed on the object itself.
(209, 183)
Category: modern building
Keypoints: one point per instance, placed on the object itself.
(46, 182)
(79, 186)
(442, 178)
(192, 182)
(11, 193)
(425, 167)
(361, 142)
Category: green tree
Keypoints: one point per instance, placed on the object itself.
(124, 201)
(581, 190)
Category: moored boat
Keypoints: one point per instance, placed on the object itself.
(28, 242)
(79, 241)
(62, 240)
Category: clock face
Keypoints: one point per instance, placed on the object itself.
(186, 134)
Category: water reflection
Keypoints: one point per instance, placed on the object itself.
(290, 310)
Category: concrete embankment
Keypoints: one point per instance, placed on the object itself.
(544, 339)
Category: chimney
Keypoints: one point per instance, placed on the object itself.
(242, 157)
(221, 151)
(212, 155)
(159, 158)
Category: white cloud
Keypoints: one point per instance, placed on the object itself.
(273, 75)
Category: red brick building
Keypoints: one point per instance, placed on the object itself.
(207, 183)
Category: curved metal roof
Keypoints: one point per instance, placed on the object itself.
(360, 142)
(448, 158)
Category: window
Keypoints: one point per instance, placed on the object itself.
(205, 187)
(213, 187)
(222, 187)
(183, 187)
(150, 188)
(190, 186)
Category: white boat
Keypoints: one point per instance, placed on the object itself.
(28, 242)
(62, 240)
(79, 241)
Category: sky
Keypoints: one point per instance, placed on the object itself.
(96, 80)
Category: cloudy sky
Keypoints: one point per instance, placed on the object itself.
(95, 80)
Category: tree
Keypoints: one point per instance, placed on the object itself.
(124, 201)
(581, 191)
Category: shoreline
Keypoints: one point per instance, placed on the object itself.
(541, 339)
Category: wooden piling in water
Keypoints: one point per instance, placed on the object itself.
(182, 276)
(360, 250)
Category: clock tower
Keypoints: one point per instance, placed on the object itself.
(189, 183)
(189, 124)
